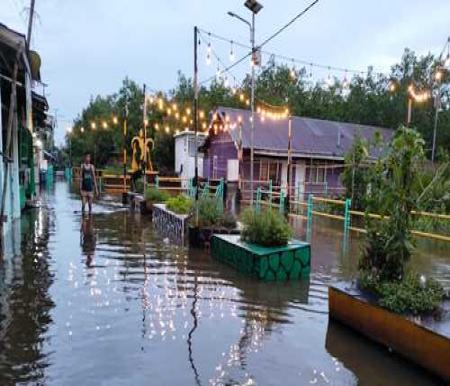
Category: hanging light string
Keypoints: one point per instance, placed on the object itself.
(290, 59)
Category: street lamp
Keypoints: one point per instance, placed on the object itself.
(254, 7)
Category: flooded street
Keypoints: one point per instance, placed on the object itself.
(110, 301)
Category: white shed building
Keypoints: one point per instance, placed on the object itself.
(185, 154)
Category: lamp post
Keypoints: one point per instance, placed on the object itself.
(254, 7)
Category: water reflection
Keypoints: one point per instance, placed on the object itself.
(110, 300)
(25, 304)
(88, 239)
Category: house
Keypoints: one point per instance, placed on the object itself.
(185, 154)
(19, 150)
(318, 148)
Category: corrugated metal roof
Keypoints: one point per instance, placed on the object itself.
(310, 137)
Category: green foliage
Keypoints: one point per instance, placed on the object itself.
(180, 204)
(154, 195)
(355, 177)
(209, 211)
(407, 296)
(265, 227)
(211, 214)
(398, 184)
(393, 194)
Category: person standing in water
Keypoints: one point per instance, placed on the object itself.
(88, 183)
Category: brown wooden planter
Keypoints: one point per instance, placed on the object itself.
(427, 343)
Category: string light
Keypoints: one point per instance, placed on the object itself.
(418, 96)
(156, 126)
(392, 86)
(167, 129)
(232, 53)
(201, 114)
(438, 75)
(105, 124)
(208, 54)
(93, 125)
(115, 120)
(82, 129)
(293, 72)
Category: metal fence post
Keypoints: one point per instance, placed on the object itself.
(309, 217)
(347, 215)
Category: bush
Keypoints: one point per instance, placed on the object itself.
(154, 195)
(180, 204)
(406, 296)
(211, 214)
(210, 211)
(265, 227)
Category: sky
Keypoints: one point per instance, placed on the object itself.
(89, 46)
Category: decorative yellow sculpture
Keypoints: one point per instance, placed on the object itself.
(141, 152)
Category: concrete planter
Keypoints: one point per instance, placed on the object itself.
(288, 262)
(199, 237)
(425, 342)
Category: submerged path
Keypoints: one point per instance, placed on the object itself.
(106, 300)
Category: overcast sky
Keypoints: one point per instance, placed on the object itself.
(89, 46)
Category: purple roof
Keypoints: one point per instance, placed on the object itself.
(310, 137)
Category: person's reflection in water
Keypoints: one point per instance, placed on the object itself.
(87, 239)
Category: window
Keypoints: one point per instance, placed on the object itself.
(317, 174)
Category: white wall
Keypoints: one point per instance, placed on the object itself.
(182, 157)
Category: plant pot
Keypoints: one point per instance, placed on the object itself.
(289, 262)
(426, 343)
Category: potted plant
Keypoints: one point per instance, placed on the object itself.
(389, 302)
(209, 218)
(265, 249)
(180, 204)
(153, 196)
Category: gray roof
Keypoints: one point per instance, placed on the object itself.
(310, 137)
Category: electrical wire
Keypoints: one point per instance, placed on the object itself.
(288, 24)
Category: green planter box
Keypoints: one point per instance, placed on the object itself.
(289, 262)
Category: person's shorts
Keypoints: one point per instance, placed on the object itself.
(87, 194)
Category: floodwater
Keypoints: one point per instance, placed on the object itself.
(108, 300)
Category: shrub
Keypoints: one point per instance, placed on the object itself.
(180, 204)
(210, 214)
(406, 296)
(210, 211)
(265, 227)
(154, 195)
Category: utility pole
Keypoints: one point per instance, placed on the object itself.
(30, 24)
(196, 111)
(144, 120)
(254, 7)
(252, 132)
(289, 162)
(125, 123)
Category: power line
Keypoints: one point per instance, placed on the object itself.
(289, 23)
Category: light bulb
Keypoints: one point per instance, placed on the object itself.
(231, 53)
